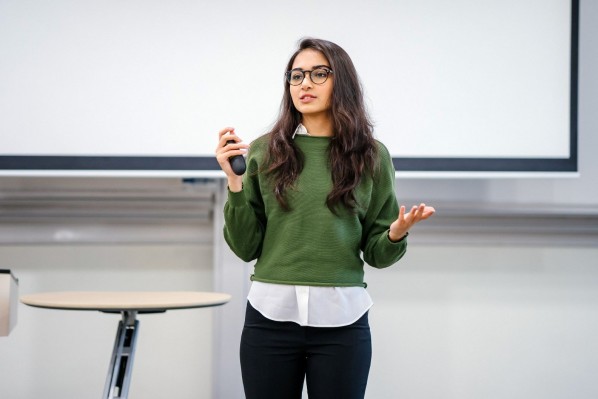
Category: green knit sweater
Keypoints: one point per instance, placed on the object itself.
(310, 245)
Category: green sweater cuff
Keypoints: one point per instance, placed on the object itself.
(401, 241)
(236, 199)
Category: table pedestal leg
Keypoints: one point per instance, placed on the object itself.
(121, 364)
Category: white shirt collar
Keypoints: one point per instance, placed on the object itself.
(300, 130)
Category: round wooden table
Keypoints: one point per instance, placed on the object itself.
(128, 304)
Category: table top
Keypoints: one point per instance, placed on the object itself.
(116, 301)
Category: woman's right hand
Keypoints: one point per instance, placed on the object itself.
(224, 151)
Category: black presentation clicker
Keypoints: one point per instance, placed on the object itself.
(237, 162)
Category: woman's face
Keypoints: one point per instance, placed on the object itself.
(310, 98)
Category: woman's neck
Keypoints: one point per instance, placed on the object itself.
(318, 125)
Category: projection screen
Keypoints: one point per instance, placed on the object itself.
(96, 87)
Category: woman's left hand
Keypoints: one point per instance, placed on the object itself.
(405, 221)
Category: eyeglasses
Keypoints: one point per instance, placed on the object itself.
(318, 76)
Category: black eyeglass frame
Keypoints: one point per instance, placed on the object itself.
(287, 74)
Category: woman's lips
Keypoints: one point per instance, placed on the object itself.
(307, 98)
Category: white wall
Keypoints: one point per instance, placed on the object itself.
(487, 322)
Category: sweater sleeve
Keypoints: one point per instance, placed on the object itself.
(378, 250)
(244, 216)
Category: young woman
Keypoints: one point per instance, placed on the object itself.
(317, 200)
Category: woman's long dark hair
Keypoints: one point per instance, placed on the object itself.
(352, 150)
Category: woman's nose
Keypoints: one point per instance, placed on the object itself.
(306, 80)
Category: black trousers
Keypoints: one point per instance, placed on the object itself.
(276, 357)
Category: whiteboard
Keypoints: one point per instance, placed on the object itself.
(462, 85)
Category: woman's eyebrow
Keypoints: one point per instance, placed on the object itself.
(314, 67)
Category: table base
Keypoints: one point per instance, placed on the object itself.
(123, 354)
